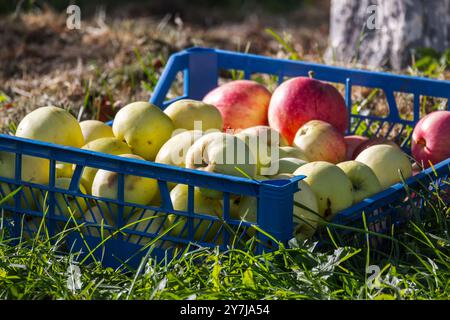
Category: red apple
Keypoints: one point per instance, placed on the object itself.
(242, 103)
(372, 142)
(352, 143)
(431, 138)
(320, 141)
(299, 100)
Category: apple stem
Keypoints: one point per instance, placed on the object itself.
(311, 74)
(422, 142)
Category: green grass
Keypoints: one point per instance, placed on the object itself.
(415, 267)
(430, 63)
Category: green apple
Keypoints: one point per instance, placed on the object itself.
(332, 187)
(365, 182)
(321, 142)
(263, 142)
(105, 145)
(51, 124)
(144, 127)
(94, 129)
(139, 190)
(186, 112)
(386, 161)
(65, 204)
(202, 205)
(221, 153)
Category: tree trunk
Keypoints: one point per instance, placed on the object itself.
(384, 32)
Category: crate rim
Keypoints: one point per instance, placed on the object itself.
(199, 49)
(52, 151)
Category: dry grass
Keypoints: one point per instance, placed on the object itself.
(50, 64)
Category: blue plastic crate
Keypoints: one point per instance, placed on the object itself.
(201, 68)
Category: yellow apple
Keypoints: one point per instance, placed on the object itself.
(106, 145)
(305, 222)
(332, 187)
(202, 205)
(94, 129)
(147, 221)
(34, 170)
(221, 153)
(287, 165)
(365, 182)
(235, 200)
(144, 221)
(139, 190)
(263, 142)
(27, 196)
(292, 152)
(65, 203)
(386, 161)
(184, 113)
(246, 210)
(64, 170)
(265, 134)
(101, 216)
(321, 142)
(144, 127)
(173, 152)
(279, 176)
(51, 124)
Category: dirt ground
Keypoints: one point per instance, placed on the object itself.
(117, 55)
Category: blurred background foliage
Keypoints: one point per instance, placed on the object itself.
(430, 62)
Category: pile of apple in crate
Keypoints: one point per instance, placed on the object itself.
(238, 129)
